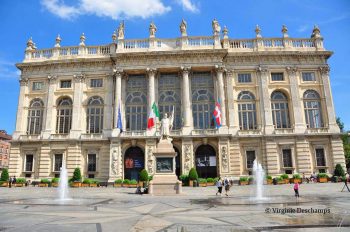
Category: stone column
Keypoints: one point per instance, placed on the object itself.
(230, 103)
(21, 119)
(299, 125)
(186, 101)
(333, 127)
(108, 109)
(221, 92)
(151, 95)
(265, 102)
(118, 99)
(77, 106)
(48, 127)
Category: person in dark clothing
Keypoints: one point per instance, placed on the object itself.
(346, 182)
(219, 186)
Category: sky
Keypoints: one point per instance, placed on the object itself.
(44, 19)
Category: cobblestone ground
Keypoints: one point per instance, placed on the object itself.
(325, 208)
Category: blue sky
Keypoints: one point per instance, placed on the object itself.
(43, 20)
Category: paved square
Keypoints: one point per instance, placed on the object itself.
(198, 209)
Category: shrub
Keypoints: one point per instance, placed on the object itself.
(243, 179)
(1, 182)
(279, 178)
(150, 178)
(202, 180)
(5, 175)
(133, 181)
(250, 179)
(87, 181)
(21, 180)
(43, 181)
(216, 179)
(55, 180)
(126, 181)
(339, 171)
(119, 181)
(77, 175)
(144, 175)
(269, 177)
(284, 176)
(296, 176)
(183, 177)
(210, 180)
(322, 175)
(193, 175)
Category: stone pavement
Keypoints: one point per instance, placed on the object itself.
(198, 209)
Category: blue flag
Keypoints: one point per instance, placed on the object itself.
(119, 122)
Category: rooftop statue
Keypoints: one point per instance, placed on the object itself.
(216, 27)
(152, 30)
(183, 28)
(121, 30)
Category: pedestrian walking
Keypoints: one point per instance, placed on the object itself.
(346, 182)
(14, 180)
(219, 186)
(296, 189)
(227, 186)
(10, 182)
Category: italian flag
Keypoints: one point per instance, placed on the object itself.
(152, 116)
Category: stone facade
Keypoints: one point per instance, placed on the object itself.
(4, 149)
(275, 97)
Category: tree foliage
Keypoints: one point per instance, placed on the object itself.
(193, 175)
(5, 175)
(77, 175)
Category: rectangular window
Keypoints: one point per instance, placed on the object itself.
(58, 162)
(308, 76)
(66, 84)
(37, 85)
(96, 83)
(320, 158)
(29, 163)
(250, 158)
(277, 77)
(244, 78)
(91, 163)
(287, 158)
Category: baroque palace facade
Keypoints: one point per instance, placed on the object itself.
(275, 97)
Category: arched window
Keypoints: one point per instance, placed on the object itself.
(169, 97)
(247, 111)
(280, 110)
(95, 115)
(202, 100)
(35, 117)
(64, 116)
(312, 108)
(136, 103)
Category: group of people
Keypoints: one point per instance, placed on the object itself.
(223, 183)
(12, 181)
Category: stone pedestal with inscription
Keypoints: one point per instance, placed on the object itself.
(165, 181)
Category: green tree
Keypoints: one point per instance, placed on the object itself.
(77, 175)
(193, 175)
(339, 171)
(143, 175)
(346, 145)
(340, 124)
(5, 175)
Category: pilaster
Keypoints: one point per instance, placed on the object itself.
(188, 155)
(20, 117)
(299, 125)
(108, 109)
(49, 117)
(224, 157)
(15, 164)
(150, 164)
(44, 161)
(337, 151)
(221, 92)
(115, 164)
(118, 73)
(272, 157)
(235, 157)
(78, 115)
(303, 156)
(265, 101)
(333, 127)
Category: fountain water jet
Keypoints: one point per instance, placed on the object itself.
(63, 183)
(259, 176)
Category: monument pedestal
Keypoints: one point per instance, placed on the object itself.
(165, 181)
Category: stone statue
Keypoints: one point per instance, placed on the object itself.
(216, 27)
(152, 30)
(166, 125)
(183, 28)
(121, 30)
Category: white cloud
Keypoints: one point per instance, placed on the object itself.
(8, 69)
(60, 9)
(115, 9)
(188, 5)
(302, 28)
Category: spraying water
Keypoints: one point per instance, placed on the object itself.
(63, 183)
(259, 175)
